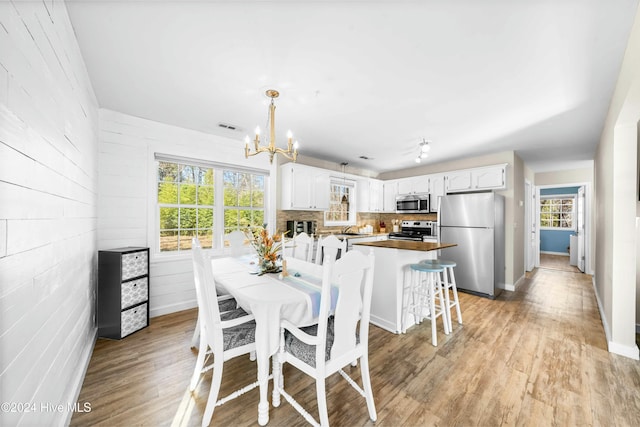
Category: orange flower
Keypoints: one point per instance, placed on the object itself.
(265, 245)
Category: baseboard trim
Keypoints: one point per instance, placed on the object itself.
(81, 373)
(513, 287)
(632, 352)
(555, 253)
(172, 308)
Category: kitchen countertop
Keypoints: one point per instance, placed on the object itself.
(408, 245)
(351, 236)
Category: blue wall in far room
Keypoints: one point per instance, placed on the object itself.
(559, 190)
(556, 240)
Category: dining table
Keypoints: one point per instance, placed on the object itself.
(271, 298)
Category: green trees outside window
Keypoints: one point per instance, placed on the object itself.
(187, 208)
(557, 212)
(243, 200)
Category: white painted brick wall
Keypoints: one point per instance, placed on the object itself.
(48, 210)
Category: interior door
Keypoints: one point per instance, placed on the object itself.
(580, 228)
(529, 230)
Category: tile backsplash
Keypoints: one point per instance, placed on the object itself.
(362, 219)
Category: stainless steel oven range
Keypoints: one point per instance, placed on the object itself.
(416, 231)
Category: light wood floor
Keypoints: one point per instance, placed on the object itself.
(557, 262)
(532, 357)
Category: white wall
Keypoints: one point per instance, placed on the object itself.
(127, 194)
(48, 211)
(616, 195)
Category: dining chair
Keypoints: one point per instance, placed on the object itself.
(302, 247)
(236, 241)
(226, 304)
(225, 338)
(330, 242)
(337, 340)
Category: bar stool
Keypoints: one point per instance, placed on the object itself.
(423, 289)
(448, 284)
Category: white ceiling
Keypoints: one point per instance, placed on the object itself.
(368, 78)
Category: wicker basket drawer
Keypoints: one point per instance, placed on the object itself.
(134, 292)
(134, 264)
(133, 319)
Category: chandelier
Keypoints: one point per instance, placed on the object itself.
(290, 153)
(424, 150)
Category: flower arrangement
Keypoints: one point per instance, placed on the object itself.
(267, 248)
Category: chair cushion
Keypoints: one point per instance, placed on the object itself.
(240, 335)
(227, 304)
(306, 352)
(233, 314)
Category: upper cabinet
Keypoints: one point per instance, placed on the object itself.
(304, 187)
(436, 190)
(477, 179)
(370, 195)
(414, 184)
(308, 188)
(390, 191)
(458, 181)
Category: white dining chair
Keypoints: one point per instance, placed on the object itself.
(222, 339)
(236, 243)
(302, 247)
(226, 304)
(330, 242)
(336, 341)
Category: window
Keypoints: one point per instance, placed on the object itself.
(557, 212)
(188, 202)
(185, 203)
(341, 203)
(243, 200)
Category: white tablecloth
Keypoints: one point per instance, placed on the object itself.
(270, 300)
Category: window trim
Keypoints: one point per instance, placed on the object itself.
(153, 213)
(574, 197)
(353, 185)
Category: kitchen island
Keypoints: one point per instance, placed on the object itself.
(392, 260)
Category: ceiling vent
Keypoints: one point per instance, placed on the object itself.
(366, 158)
(229, 127)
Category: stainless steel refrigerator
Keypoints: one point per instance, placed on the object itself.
(475, 221)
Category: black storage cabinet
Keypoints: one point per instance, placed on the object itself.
(123, 291)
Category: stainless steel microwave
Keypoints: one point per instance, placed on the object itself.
(412, 203)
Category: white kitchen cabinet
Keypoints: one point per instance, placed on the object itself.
(376, 195)
(369, 195)
(477, 179)
(490, 178)
(436, 190)
(414, 184)
(304, 187)
(390, 191)
(458, 181)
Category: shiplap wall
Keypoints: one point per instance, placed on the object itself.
(48, 212)
(127, 194)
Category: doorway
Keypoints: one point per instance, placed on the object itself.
(559, 237)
